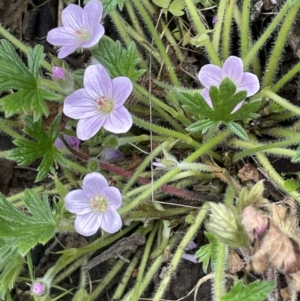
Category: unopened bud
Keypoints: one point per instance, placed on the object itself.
(38, 289)
(58, 73)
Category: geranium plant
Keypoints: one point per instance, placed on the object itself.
(168, 101)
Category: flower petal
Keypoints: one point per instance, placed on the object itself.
(88, 224)
(77, 202)
(118, 121)
(233, 68)
(60, 36)
(93, 184)
(111, 221)
(72, 17)
(88, 127)
(80, 105)
(112, 196)
(92, 14)
(205, 95)
(66, 50)
(97, 82)
(122, 87)
(250, 83)
(210, 75)
(97, 34)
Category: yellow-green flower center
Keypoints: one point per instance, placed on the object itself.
(104, 105)
(82, 35)
(98, 204)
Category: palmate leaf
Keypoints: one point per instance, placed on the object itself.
(20, 232)
(28, 95)
(28, 151)
(255, 291)
(11, 263)
(24, 231)
(117, 60)
(110, 5)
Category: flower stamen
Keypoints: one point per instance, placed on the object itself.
(104, 105)
(98, 204)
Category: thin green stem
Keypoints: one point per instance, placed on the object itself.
(127, 276)
(245, 29)
(218, 26)
(238, 20)
(109, 277)
(148, 277)
(273, 174)
(169, 175)
(288, 76)
(145, 163)
(77, 167)
(253, 51)
(219, 285)
(271, 148)
(179, 252)
(281, 101)
(118, 21)
(213, 55)
(53, 86)
(143, 264)
(21, 46)
(279, 44)
(226, 30)
(158, 41)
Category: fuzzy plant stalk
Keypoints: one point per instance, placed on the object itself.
(127, 276)
(169, 175)
(279, 44)
(281, 101)
(213, 56)
(145, 163)
(272, 148)
(179, 252)
(266, 35)
(286, 78)
(160, 46)
(218, 26)
(153, 269)
(227, 29)
(143, 264)
(21, 46)
(245, 28)
(166, 31)
(109, 277)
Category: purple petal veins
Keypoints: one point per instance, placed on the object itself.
(211, 75)
(81, 28)
(100, 103)
(95, 205)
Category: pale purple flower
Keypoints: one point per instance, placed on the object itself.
(38, 289)
(109, 155)
(58, 72)
(211, 75)
(73, 141)
(100, 103)
(81, 28)
(215, 20)
(189, 257)
(95, 205)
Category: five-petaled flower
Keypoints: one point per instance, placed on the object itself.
(95, 205)
(81, 28)
(211, 75)
(100, 103)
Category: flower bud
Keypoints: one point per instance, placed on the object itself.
(93, 165)
(111, 142)
(58, 73)
(38, 289)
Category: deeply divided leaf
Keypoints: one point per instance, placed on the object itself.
(117, 60)
(28, 151)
